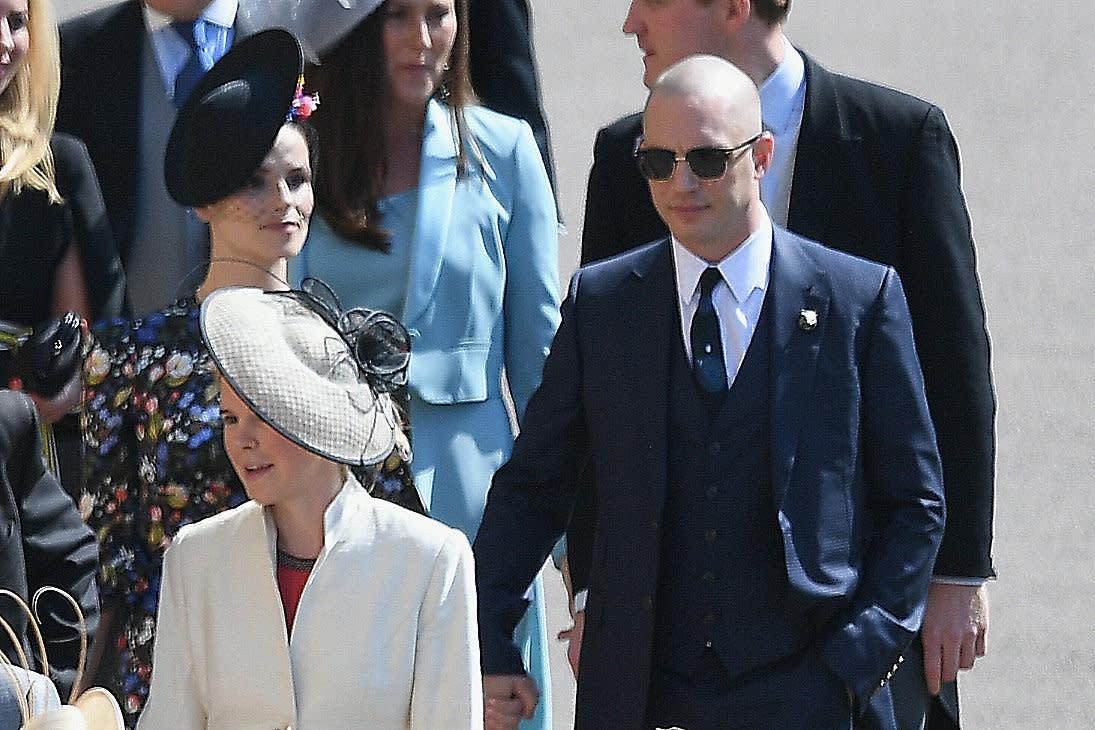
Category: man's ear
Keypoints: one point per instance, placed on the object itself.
(737, 13)
(203, 213)
(762, 154)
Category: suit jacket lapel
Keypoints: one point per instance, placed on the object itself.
(436, 188)
(120, 57)
(244, 24)
(796, 289)
(824, 156)
(648, 325)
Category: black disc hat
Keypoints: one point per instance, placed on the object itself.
(229, 122)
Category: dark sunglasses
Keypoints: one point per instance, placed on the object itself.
(706, 163)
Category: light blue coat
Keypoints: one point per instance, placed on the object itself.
(482, 292)
(484, 281)
(482, 295)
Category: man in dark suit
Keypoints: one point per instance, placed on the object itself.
(118, 69)
(768, 486)
(874, 172)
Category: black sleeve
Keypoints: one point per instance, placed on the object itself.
(503, 71)
(58, 548)
(938, 267)
(102, 266)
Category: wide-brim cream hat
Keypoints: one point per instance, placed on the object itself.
(319, 376)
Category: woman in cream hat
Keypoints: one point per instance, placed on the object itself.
(313, 605)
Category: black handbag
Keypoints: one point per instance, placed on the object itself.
(44, 358)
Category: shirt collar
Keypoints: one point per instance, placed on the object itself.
(745, 269)
(782, 92)
(221, 12)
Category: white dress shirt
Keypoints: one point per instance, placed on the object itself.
(738, 298)
(782, 97)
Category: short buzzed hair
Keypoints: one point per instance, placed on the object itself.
(706, 76)
(773, 11)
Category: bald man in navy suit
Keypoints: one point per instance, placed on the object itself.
(874, 172)
(768, 485)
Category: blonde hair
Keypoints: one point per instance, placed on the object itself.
(28, 108)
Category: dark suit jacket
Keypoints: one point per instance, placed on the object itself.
(101, 56)
(876, 174)
(855, 471)
(503, 71)
(43, 542)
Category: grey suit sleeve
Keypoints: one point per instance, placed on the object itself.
(58, 548)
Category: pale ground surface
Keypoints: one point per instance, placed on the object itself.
(1017, 86)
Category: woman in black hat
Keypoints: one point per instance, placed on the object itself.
(155, 458)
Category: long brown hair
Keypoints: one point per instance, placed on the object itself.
(352, 127)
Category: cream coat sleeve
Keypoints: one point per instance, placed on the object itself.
(174, 699)
(448, 685)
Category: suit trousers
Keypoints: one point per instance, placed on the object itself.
(796, 692)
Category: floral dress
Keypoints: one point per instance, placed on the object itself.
(155, 462)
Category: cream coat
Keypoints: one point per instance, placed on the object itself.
(384, 636)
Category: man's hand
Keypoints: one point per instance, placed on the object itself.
(956, 625)
(507, 699)
(573, 635)
(55, 407)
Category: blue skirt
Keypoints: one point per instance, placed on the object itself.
(457, 448)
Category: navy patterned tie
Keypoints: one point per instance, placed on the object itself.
(708, 367)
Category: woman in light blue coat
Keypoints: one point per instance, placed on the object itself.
(440, 211)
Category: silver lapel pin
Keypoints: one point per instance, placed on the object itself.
(807, 320)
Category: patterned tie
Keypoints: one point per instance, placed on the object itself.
(708, 366)
(207, 44)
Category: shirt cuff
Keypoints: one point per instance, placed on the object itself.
(955, 580)
(580, 600)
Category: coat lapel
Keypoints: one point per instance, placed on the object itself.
(799, 299)
(648, 324)
(824, 156)
(436, 188)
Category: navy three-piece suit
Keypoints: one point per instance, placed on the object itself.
(848, 493)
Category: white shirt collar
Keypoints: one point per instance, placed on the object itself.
(745, 269)
(781, 93)
(221, 12)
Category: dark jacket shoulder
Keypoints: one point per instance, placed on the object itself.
(606, 274)
(81, 33)
(624, 130)
(863, 108)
